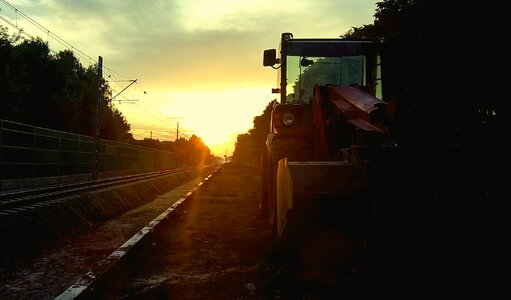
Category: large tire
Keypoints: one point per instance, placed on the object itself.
(263, 202)
(267, 203)
(283, 249)
(272, 196)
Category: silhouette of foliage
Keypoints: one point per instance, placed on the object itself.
(440, 65)
(249, 145)
(54, 90)
(189, 152)
(439, 70)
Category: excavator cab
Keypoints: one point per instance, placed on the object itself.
(306, 62)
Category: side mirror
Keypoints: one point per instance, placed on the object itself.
(270, 57)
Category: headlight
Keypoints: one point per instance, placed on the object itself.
(288, 118)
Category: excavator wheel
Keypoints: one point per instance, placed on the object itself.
(263, 202)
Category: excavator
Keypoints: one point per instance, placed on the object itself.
(358, 180)
(319, 167)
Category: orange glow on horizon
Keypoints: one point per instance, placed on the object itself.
(216, 116)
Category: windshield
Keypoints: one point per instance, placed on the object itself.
(304, 72)
(329, 61)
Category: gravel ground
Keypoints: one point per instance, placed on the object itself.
(221, 249)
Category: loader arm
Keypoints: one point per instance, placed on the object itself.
(332, 105)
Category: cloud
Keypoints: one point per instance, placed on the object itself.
(185, 42)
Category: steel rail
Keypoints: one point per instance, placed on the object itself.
(28, 199)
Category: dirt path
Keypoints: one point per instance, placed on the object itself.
(219, 249)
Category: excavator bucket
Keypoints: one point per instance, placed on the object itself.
(307, 184)
(322, 218)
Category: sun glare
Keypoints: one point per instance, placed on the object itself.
(218, 116)
(211, 134)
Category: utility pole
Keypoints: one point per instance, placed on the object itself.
(96, 134)
(177, 131)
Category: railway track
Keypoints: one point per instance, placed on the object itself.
(23, 200)
(81, 253)
(95, 283)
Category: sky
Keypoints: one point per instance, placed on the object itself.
(197, 63)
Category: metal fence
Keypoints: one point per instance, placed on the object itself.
(29, 152)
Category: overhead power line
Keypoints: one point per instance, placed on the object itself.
(153, 115)
(16, 27)
(56, 37)
(47, 31)
(78, 52)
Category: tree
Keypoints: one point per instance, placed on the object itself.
(54, 90)
(438, 67)
(250, 145)
(9, 88)
(440, 63)
(189, 152)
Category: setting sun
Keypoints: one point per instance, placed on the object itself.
(216, 116)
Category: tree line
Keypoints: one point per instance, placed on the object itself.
(250, 145)
(54, 90)
(441, 70)
(191, 152)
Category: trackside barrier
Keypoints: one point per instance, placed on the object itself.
(28, 152)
